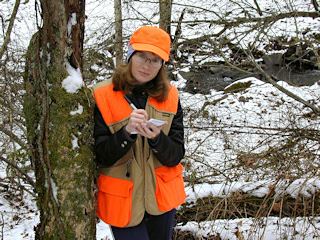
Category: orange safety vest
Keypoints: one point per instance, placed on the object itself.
(151, 186)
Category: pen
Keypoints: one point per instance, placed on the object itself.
(130, 103)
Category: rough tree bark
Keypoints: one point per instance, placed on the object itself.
(60, 143)
(165, 7)
(118, 31)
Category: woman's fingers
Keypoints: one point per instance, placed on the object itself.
(137, 118)
(150, 130)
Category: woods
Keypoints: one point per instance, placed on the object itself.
(46, 130)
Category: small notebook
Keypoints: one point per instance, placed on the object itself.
(154, 121)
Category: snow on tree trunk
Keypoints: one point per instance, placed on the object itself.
(59, 118)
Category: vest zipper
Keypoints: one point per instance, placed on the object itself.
(128, 164)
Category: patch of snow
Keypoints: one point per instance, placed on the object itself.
(74, 81)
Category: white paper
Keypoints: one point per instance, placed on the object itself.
(155, 122)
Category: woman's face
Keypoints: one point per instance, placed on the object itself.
(145, 66)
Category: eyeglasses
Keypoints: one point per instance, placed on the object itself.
(155, 62)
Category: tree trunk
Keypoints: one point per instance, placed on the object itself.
(118, 31)
(60, 143)
(165, 15)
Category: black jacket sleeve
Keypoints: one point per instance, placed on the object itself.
(169, 150)
(109, 148)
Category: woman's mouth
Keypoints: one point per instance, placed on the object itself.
(144, 74)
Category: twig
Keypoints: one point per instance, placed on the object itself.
(26, 176)
(13, 136)
(286, 91)
(2, 229)
(7, 38)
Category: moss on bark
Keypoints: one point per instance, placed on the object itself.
(64, 172)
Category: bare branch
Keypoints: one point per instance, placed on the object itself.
(315, 5)
(12, 136)
(6, 102)
(258, 7)
(24, 174)
(8, 33)
(273, 18)
(286, 91)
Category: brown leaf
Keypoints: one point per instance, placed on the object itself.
(250, 162)
(239, 235)
(276, 207)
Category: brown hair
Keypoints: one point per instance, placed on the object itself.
(158, 87)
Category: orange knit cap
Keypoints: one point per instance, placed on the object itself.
(152, 39)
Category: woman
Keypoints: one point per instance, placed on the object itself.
(140, 181)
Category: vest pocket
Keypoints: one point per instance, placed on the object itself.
(170, 191)
(114, 200)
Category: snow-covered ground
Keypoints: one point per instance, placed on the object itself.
(19, 224)
(214, 122)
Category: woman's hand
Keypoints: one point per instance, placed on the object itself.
(137, 118)
(151, 131)
(138, 122)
